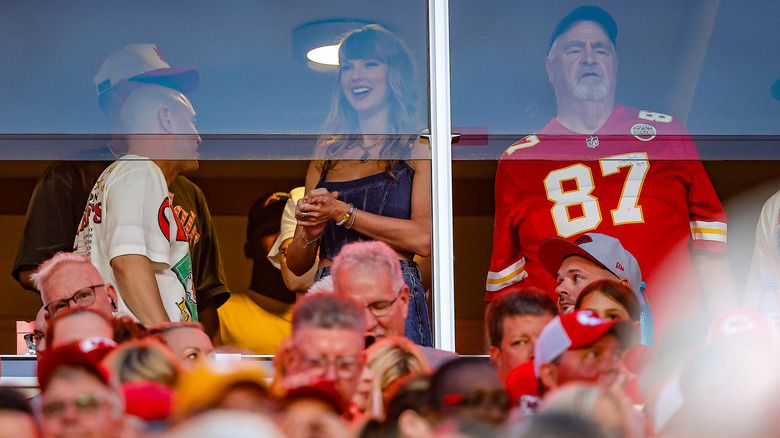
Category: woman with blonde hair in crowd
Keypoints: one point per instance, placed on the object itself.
(370, 179)
(144, 360)
(387, 360)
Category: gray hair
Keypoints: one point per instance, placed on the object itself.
(59, 260)
(371, 256)
(328, 311)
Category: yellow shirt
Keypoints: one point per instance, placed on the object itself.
(257, 324)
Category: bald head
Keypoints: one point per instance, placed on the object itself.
(139, 114)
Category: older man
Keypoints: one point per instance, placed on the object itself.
(77, 396)
(326, 344)
(67, 280)
(634, 175)
(369, 273)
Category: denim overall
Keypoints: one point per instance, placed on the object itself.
(383, 195)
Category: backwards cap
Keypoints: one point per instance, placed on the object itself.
(603, 250)
(576, 330)
(587, 13)
(143, 63)
(132, 66)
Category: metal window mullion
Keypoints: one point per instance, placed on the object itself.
(441, 175)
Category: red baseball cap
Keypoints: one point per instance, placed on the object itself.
(86, 354)
(522, 384)
(576, 330)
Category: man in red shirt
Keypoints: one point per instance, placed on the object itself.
(601, 167)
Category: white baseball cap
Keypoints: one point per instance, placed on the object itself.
(143, 63)
(577, 330)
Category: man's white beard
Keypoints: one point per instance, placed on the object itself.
(593, 88)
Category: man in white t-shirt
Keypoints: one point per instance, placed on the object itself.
(129, 230)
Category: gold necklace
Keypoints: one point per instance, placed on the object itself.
(366, 154)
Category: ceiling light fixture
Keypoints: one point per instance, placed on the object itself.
(317, 43)
(327, 55)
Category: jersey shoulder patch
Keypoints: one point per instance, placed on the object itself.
(652, 116)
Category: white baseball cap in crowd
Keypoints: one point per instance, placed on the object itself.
(143, 63)
(579, 329)
(605, 251)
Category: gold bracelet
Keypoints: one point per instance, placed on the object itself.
(307, 241)
(354, 216)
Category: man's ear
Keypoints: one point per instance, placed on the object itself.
(495, 355)
(404, 296)
(112, 295)
(548, 68)
(165, 117)
(624, 281)
(548, 375)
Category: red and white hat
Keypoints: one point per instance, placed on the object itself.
(143, 63)
(86, 354)
(576, 330)
(743, 323)
(603, 250)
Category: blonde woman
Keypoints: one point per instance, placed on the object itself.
(144, 360)
(387, 360)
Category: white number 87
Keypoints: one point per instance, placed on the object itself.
(628, 209)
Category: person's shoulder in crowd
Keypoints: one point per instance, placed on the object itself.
(435, 357)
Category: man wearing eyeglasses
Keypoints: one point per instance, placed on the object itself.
(69, 280)
(77, 398)
(326, 344)
(369, 273)
(36, 341)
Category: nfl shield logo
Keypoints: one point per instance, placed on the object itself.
(592, 142)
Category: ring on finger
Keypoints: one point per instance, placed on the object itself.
(304, 214)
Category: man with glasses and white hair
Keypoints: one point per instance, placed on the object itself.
(369, 273)
(326, 344)
(68, 280)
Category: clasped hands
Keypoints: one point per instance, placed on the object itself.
(317, 208)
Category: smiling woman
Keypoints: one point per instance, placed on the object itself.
(373, 168)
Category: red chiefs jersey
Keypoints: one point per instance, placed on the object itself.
(638, 179)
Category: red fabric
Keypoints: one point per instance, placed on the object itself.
(522, 381)
(148, 400)
(674, 190)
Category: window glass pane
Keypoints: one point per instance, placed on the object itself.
(705, 63)
(702, 68)
(254, 77)
(259, 106)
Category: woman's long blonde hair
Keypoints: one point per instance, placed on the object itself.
(342, 128)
